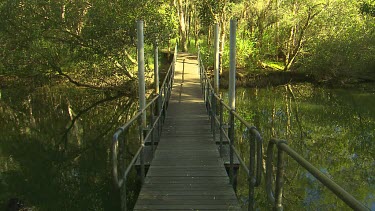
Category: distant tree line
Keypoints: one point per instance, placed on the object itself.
(92, 43)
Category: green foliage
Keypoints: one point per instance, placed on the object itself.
(343, 58)
(246, 52)
(90, 41)
(343, 48)
(330, 39)
(368, 8)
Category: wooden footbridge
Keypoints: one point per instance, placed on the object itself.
(187, 172)
(187, 156)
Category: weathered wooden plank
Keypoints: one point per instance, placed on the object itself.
(221, 198)
(187, 180)
(187, 173)
(187, 209)
(187, 186)
(184, 201)
(175, 140)
(190, 155)
(191, 207)
(208, 192)
(186, 162)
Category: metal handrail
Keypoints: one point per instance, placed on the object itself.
(276, 197)
(254, 169)
(253, 172)
(160, 104)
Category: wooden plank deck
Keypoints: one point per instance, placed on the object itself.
(187, 172)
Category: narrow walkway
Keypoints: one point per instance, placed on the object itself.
(187, 172)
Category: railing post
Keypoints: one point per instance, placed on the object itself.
(152, 130)
(275, 197)
(165, 97)
(121, 161)
(207, 93)
(156, 67)
(221, 123)
(232, 65)
(232, 144)
(141, 156)
(203, 80)
(212, 109)
(159, 114)
(123, 196)
(232, 94)
(183, 71)
(216, 64)
(279, 181)
(213, 101)
(251, 178)
(199, 64)
(157, 88)
(141, 71)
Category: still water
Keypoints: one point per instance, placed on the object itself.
(55, 147)
(333, 129)
(55, 144)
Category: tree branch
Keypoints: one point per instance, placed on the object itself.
(133, 61)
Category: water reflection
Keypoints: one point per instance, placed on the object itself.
(333, 129)
(54, 147)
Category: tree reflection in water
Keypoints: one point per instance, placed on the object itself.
(333, 129)
(55, 147)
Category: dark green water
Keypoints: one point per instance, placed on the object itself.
(48, 162)
(51, 167)
(333, 129)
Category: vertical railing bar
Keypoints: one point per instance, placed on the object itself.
(232, 140)
(152, 130)
(251, 177)
(211, 105)
(121, 144)
(123, 196)
(221, 124)
(142, 158)
(159, 107)
(141, 70)
(213, 99)
(279, 181)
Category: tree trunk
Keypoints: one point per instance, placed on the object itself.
(297, 34)
(81, 21)
(182, 26)
(209, 36)
(221, 46)
(196, 30)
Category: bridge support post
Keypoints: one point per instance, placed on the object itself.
(183, 71)
(217, 61)
(141, 71)
(142, 154)
(213, 113)
(157, 87)
(156, 67)
(123, 197)
(251, 177)
(122, 169)
(232, 96)
(221, 123)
